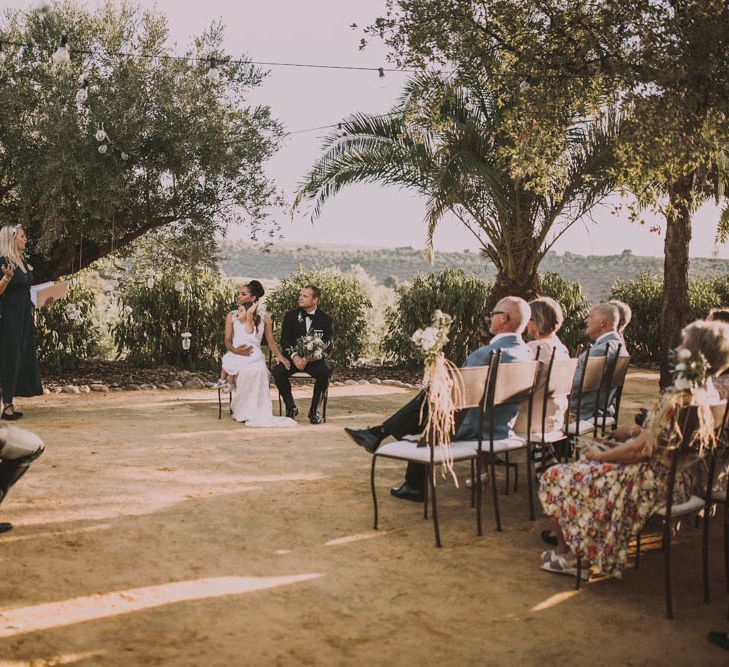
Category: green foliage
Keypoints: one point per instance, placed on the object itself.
(454, 292)
(644, 294)
(575, 307)
(155, 310)
(183, 152)
(343, 297)
(66, 332)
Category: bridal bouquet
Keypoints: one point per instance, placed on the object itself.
(310, 345)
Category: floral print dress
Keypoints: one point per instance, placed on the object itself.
(601, 506)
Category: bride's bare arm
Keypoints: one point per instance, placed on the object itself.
(272, 345)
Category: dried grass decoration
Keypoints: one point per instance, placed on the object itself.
(443, 387)
(690, 388)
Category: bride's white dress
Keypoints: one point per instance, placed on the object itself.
(251, 401)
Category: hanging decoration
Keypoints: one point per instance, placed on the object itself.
(62, 55)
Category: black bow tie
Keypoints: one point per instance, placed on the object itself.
(309, 316)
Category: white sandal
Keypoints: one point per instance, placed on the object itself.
(560, 565)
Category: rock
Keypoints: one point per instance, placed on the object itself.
(175, 384)
(146, 385)
(57, 390)
(396, 383)
(210, 385)
(99, 387)
(131, 387)
(85, 389)
(70, 389)
(162, 385)
(363, 381)
(46, 390)
(194, 383)
(117, 389)
(350, 382)
(376, 381)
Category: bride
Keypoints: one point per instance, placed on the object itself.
(245, 329)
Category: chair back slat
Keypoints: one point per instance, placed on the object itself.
(620, 372)
(472, 384)
(593, 374)
(562, 377)
(514, 381)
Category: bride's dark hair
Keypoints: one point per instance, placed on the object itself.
(256, 289)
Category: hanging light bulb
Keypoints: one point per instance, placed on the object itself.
(101, 133)
(213, 74)
(83, 92)
(3, 55)
(124, 156)
(62, 55)
(526, 84)
(381, 72)
(186, 340)
(103, 148)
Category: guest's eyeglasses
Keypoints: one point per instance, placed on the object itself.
(498, 312)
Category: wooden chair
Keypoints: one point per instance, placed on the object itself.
(508, 383)
(590, 381)
(613, 392)
(473, 383)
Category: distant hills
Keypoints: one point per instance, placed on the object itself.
(390, 266)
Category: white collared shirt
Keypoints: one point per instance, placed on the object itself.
(308, 320)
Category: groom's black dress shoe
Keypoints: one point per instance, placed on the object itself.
(5, 527)
(292, 412)
(315, 418)
(407, 492)
(365, 437)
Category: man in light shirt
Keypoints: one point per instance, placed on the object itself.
(507, 322)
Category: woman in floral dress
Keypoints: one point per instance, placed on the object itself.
(601, 502)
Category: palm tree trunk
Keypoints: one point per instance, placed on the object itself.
(675, 308)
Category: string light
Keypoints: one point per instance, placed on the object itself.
(381, 72)
(62, 55)
(83, 92)
(3, 55)
(526, 84)
(101, 133)
(213, 73)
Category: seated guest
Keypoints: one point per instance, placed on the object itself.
(602, 329)
(508, 320)
(625, 313)
(18, 449)
(601, 502)
(546, 320)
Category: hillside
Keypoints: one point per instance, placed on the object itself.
(596, 274)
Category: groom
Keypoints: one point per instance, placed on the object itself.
(306, 318)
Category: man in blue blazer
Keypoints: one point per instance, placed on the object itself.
(602, 329)
(508, 320)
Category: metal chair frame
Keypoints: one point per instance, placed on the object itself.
(427, 440)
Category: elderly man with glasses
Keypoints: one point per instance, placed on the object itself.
(508, 320)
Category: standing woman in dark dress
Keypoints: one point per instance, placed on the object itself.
(18, 360)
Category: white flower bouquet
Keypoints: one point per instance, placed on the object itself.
(688, 372)
(309, 346)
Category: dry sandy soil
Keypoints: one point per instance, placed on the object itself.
(150, 533)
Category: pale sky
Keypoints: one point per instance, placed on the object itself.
(318, 32)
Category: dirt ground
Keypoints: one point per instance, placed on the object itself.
(150, 533)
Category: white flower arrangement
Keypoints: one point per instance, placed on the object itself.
(310, 345)
(180, 286)
(433, 339)
(688, 372)
(73, 313)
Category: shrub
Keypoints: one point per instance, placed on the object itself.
(459, 294)
(575, 307)
(154, 311)
(644, 294)
(67, 332)
(343, 298)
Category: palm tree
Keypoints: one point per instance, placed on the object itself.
(446, 142)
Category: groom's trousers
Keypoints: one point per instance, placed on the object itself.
(319, 370)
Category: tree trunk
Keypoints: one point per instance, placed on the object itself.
(675, 308)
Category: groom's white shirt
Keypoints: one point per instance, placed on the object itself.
(309, 320)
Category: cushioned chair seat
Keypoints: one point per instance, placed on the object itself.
(609, 421)
(552, 436)
(505, 445)
(585, 427)
(693, 504)
(409, 451)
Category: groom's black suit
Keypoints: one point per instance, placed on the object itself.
(294, 327)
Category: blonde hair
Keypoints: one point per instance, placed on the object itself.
(547, 315)
(710, 339)
(625, 313)
(8, 248)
